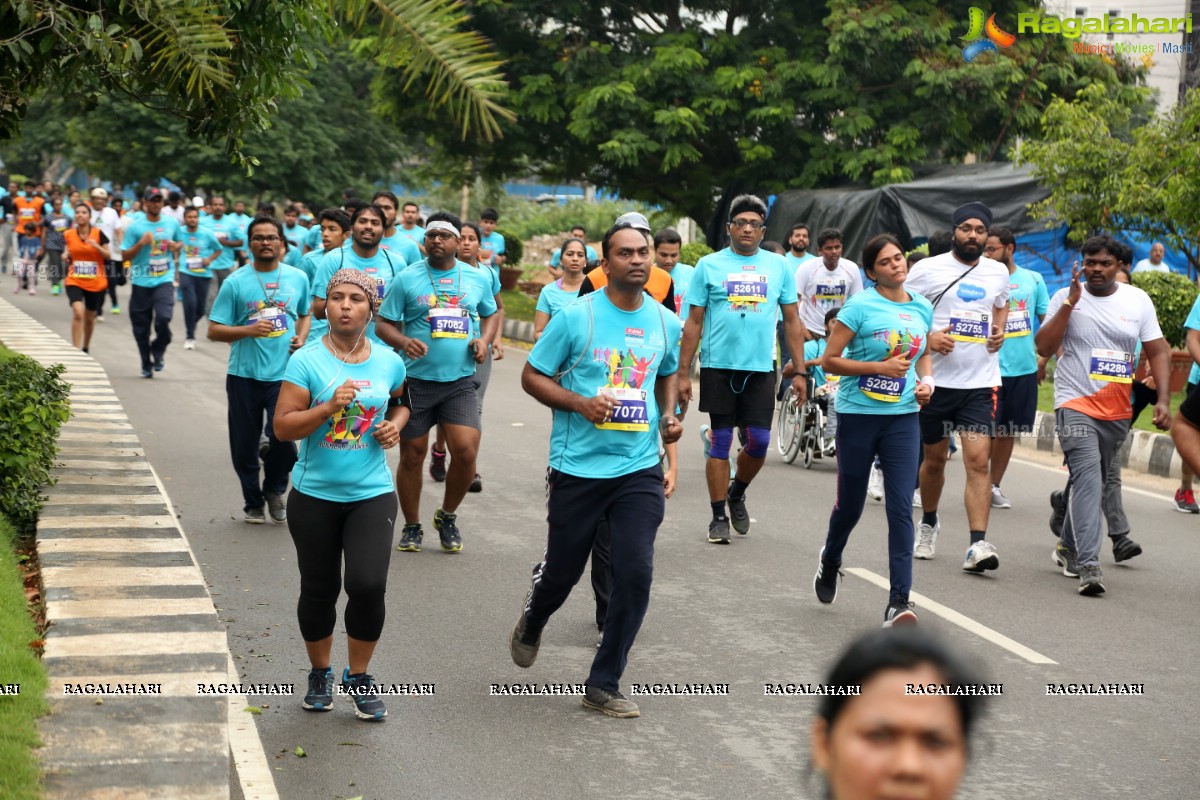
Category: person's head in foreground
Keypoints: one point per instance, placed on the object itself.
(885, 743)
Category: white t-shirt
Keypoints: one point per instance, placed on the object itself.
(821, 289)
(106, 220)
(968, 309)
(176, 213)
(1145, 266)
(1095, 374)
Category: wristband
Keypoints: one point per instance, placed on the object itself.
(927, 380)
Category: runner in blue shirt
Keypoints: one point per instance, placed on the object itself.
(578, 232)
(733, 301)
(293, 231)
(491, 244)
(231, 233)
(606, 364)
(340, 400)
(199, 248)
(149, 244)
(573, 257)
(394, 240)
(667, 246)
(333, 225)
(878, 347)
(427, 317)
(410, 215)
(262, 311)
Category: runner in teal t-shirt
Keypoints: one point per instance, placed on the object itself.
(667, 246)
(878, 347)
(199, 249)
(552, 298)
(149, 243)
(394, 240)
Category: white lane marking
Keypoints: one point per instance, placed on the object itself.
(962, 621)
(1063, 472)
(249, 758)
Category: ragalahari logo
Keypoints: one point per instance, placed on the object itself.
(983, 37)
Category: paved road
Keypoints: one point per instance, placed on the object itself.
(743, 615)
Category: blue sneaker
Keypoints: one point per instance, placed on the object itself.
(410, 539)
(320, 690)
(705, 440)
(361, 689)
(447, 528)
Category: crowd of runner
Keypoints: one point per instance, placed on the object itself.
(364, 327)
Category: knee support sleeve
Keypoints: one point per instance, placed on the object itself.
(722, 439)
(757, 441)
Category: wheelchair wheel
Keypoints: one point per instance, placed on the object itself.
(787, 428)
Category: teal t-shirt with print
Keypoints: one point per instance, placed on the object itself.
(247, 295)
(883, 329)
(152, 266)
(1027, 302)
(231, 228)
(553, 297)
(383, 268)
(681, 276)
(197, 247)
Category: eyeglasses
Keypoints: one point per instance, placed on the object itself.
(439, 235)
(264, 239)
(977, 229)
(752, 224)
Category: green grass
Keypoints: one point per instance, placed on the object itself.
(1144, 422)
(19, 770)
(518, 305)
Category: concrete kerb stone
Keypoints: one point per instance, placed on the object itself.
(121, 580)
(1143, 451)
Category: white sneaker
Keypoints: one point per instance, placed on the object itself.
(998, 498)
(875, 484)
(926, 540)
(916, 498)
(190, 344)
(981, 556)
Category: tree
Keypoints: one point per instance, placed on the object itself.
(220, 65)
(674, 103)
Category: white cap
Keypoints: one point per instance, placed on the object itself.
(99, 191)
(198, 202)
(634, 220)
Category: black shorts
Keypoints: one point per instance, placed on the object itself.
(953, 410)
(1190, 408)
(1017, 406)
(736, 398)
(92, 301)
(433, 402)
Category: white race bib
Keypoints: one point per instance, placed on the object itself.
(449, 323)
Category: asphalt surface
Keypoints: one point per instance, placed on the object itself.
(742, 614)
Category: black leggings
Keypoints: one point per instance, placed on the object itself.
(322, 531)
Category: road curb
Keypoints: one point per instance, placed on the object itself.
(1143, 451)
(519, 330)
(133, 628)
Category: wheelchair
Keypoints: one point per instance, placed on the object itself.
(800, 427)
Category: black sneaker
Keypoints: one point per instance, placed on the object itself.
(718, 531)
(410, 539)
(1058, 513)
(361, 689)
(437, 464)
(523, 643)
(899, 612)
(1091, 581)
(264, 446)
(613, 704)
(255, 516)
(448, 531)
(1125, 548)
(146, 373)
(158, 364)
(738, 516)
(276, 507)
(1065, 558)
(476, 485)
(320, 690)
(826, 580)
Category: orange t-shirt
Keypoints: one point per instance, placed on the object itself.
(28, 211)
(86, 269)
(658, 285)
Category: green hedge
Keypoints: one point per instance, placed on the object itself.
(691, 253)
(33, 406)
(1173, 296)
(514, 249)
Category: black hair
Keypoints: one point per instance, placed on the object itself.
(562, 250)
(291, 208)
(828, 235)
(266, 209)
(579, 228)
(607, 240)
(408, 203)
(389, 195)
(487, 213)
(474, 227)
(916, 256)
(353, 204)
(174, 197)
(792, 230)
(940, 242)
(1004, 235)
(374, 209)
(747, 202)
(445, 216)
(667, 236)
(265, 219)
(874, 247)
(335, 215)
(191, 210)
(902, 648)
(1102, 242)
(1126, 254)
(773, 247)
(830, 316)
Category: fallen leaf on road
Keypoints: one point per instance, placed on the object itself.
(299, 751)
(253, 709)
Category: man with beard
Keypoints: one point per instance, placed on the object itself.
(969, 294)
(362, 253)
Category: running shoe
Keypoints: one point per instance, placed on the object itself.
(410, 539)
(1185, 502)
(738, 516)
(362, 691)
(706, 440)
(320, 690)
(1091, 581)
(99, 318)
(981, 556)
(999, 500)
(826, 580)
(916, 498)
(437, 464)
(147, 373)
(476, 484)
(1064, 557)
(159, 364)
(116, 310)
(875, 484)
(614, 704)
(255, 516)
(523, 643)
(1058, 512)
(55, 290)
(718, 531)
(189, 344)
(276, 507)
(1125, 548)
(926, 540)
(32, 292)
(899, 612)
(447, 530)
